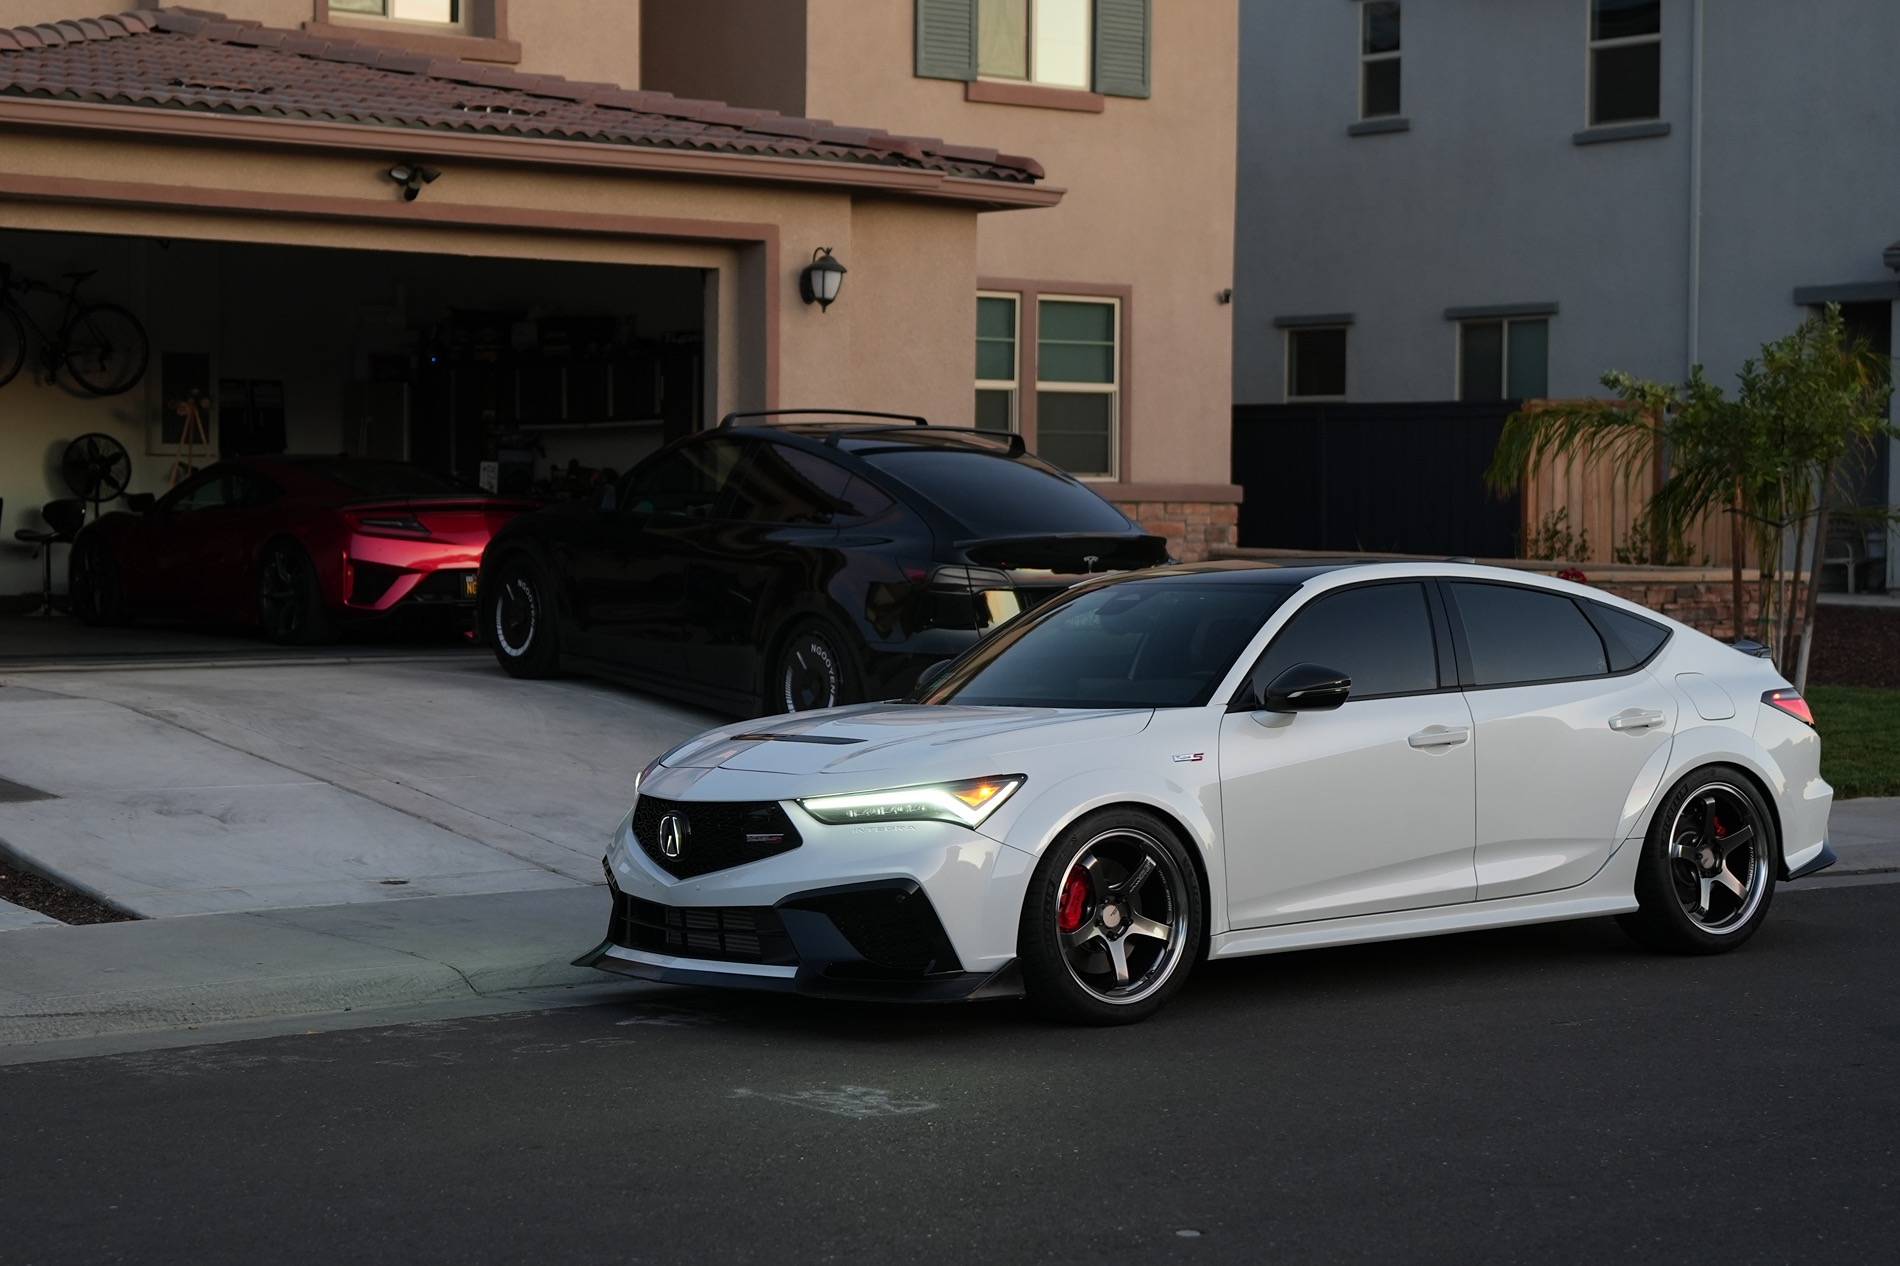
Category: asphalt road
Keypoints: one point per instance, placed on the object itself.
(1543, 1094)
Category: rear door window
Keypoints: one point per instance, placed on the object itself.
(1378, 635)
(994, 495)
(686, 480)
(781, 484)
(1517, 636)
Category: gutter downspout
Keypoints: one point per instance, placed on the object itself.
(1694, 333)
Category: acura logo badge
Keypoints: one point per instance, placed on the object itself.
(672, 834)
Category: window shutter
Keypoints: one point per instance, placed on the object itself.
(946, 39)
(1123, 36)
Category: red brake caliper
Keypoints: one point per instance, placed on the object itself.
(1074, 903)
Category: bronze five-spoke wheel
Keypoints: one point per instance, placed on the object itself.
(1708, 867)
(1113, 920)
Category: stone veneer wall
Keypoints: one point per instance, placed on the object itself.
(1194, 529)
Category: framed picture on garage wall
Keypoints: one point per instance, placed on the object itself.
(186, 423)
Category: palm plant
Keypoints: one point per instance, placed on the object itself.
(1807, 408)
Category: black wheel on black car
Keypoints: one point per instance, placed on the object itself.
(811, 670)
(290, 598)
(1707, 873)
(520, 618)
(96, 585)
(1113, 921)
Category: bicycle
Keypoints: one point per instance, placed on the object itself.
(101, 346)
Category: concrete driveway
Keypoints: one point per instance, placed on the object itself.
(176, 791)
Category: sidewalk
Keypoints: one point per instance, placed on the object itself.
(168, 974)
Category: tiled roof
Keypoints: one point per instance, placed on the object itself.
(186, 59)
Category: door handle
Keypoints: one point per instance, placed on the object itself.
(1636, 719)
(1440, 736)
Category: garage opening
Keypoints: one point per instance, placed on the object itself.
(534, 379)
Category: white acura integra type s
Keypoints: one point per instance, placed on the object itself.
(1224, 759)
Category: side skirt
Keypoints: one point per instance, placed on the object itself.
(1610, 891)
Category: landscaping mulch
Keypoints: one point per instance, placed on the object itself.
(1856, 646)
(54, 900)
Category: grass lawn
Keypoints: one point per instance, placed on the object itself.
(1860, 739)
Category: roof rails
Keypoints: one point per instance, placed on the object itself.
(1016, 448)
(911, 418)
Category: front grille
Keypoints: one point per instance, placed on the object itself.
(370, 581)
(711, 834)
(730, 934)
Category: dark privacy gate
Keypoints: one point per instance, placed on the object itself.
(1388, 478)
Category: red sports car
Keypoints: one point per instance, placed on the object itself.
(290, 544)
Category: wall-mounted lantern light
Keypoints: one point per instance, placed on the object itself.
(821, 279)
(410, 177)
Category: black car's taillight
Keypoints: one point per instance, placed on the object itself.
(1789, 700)
(960, 597)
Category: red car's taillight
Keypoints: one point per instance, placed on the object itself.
(1790, 702)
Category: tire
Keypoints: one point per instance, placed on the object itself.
(811, 668)
(1699, 888)
(290, 606)
(12, 346)
(95, 585)
(1090, 952)
(519, 618)
(105, 349)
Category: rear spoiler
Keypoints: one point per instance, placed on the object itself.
(1096, 550)
(1749, 646)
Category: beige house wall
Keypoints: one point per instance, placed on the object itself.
(1149, 204)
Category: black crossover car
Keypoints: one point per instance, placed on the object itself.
(775, 565)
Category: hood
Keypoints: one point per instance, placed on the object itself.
(926, 740)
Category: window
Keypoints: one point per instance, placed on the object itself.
(1078, 383)
(684, 480)
(1630, 639)
(997, 325)
(1504, 359)
(208, 490)
(1161, 643)
(1038, 41)
(1526, 635)
(1316, 363)
(1379, 59)
(1625, 61)
(992, 494)
(1378, 635)
(781, 484)
(440, 12)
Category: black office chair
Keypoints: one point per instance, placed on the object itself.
(63, 519)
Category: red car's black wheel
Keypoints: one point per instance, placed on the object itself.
(289, 598)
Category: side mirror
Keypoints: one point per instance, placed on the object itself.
(1304, 688)
(140, 502)
(928, 678)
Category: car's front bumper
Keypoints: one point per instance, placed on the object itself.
(877, 941)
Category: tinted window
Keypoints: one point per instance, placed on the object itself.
(249, 491)
(1145, 644)
(991, 494)
(683, 480)
(1380, 636)
(209, 490)
(383, 479)
(1630, 638)
(1519, 635)
(788, 485)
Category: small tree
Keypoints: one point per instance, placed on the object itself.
(1806, 410)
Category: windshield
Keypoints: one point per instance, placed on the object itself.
(1150, 643)
(992, 494)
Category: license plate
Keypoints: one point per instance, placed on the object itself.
(468, 583)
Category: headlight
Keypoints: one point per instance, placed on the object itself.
(967, 803)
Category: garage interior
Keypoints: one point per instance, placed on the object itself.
(524, 376)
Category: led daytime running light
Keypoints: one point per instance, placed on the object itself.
(968, 803)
